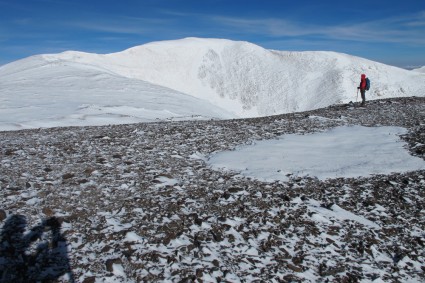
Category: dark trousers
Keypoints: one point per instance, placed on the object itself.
(363, 93)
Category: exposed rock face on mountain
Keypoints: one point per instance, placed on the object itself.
(136, 203)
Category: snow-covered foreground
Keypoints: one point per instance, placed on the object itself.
(341, 152)
(139, 203)
(186, 79)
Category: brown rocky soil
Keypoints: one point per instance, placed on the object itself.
(135, 203)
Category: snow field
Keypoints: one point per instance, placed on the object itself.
(341, 152)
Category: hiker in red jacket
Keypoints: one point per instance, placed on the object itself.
(362, 88)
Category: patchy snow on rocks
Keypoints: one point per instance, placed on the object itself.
(141, 203)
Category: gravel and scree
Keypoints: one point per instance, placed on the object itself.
(139, 203)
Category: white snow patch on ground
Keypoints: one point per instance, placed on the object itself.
(336, 212)
(164, 181)
(341, 152)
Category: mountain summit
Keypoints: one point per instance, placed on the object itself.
(234, 79)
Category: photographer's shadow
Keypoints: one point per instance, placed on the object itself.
(39, 255)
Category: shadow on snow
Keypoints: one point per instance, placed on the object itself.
(39, 255)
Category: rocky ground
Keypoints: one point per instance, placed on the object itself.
(138, 203)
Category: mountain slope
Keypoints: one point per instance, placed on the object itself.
(420, 70)
(249, 80)
(37, 93)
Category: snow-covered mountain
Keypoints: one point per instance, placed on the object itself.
(192, 77)
(420, 70)
(35, 92)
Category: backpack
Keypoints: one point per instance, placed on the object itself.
(367, 83)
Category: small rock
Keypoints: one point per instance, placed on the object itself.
(216, 263)
(82, 181)
(198, 221)
(235, 190)
(89, 171)
(90, 279)
(221, 219)
(199, 273)
(297, 260)
(285, 198)
(68, 176)
(217, 236)
(111, 262)
(47, 211)
(106, 249)
(47, 169)
(330, 271)
(226, 195)
(294, 268)
(3, 215)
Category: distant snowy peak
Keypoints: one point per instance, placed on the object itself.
(420, 70)
(199, 67)
(248, 80)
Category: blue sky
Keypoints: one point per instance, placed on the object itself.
(391, 32)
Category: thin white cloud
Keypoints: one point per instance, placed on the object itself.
(409, 29)
(271, 27)
(418, 21)
(120, 25)
(108, 27)
(404, 29)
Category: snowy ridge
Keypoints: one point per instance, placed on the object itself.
(420, 70)
(186, 79)
(249, 80)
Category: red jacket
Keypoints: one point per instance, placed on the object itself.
(363, 82)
